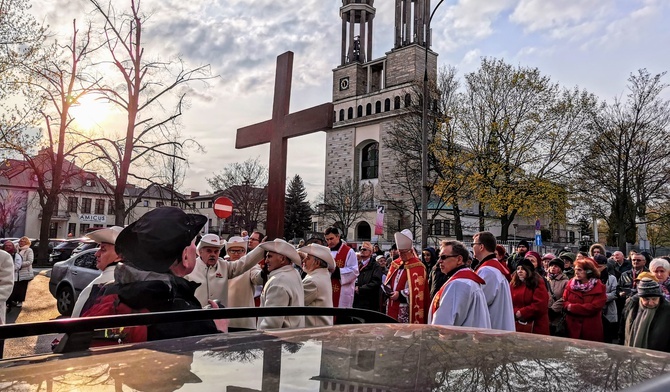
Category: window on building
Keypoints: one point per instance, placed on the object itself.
(408, 100)
(88, 182)
(436, 227)
(72, 204)
(341, 114)
(368, 109)
(378, 107)
(359, 112)
(350, 113)
(387, 104)
(370, 161)
(447, 228)
(83, 228)
(86, 205)
(110, 208)
(71, 229)
(202, 204)
(100, 206)
(396, 103)
(53, 230)
(159, 204)
(209, 204)
(571, 236)
(146, 203)
(315, 227)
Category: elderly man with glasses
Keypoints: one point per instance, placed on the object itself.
(461, 300)
(627, 282)
(368, 284)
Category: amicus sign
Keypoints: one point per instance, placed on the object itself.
(93, 218)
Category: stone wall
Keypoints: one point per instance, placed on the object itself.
(406, 65)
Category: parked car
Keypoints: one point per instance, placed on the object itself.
(84, 245)
(361, 357)
(63, 251)
(70, 277)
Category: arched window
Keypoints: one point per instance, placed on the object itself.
(396, 103)
(341, 114)
(378, 107)
(408, 100)
(350, 113)
(363, 231)
(387, 104)
(359, 111)
(368, 109)
(370, 161)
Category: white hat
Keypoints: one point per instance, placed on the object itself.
(404, 239)
(320, 251)
(283, 248)
(236, 242)
(107, 235)
(211, 240)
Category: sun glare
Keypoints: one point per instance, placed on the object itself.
(89, 113)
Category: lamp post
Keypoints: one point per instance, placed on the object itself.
(424, 137)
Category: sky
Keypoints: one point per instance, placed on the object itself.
(593, 44)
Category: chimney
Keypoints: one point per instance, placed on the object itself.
(195, 194)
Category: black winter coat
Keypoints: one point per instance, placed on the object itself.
(369, 284)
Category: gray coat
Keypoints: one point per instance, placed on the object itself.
(610, 309)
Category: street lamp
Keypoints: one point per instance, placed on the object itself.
(424, 138)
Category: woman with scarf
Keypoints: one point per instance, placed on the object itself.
(646, 318)
(661, 269)
(583, 300)
(25, 273)
(529, 299)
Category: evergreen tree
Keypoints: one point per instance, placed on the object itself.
(298, 213)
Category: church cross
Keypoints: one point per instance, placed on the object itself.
(277, 131)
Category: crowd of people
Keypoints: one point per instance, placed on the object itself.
(161, 263)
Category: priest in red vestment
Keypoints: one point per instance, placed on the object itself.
(406, 283)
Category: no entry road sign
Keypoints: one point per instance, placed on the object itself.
(223, 207)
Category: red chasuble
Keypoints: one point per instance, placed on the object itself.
(414, 274)
(464, 273)
(340, 261)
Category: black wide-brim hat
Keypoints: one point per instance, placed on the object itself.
(156, 240)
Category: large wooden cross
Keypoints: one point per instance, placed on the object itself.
(277, 131)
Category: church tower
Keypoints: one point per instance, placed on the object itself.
(369, 95)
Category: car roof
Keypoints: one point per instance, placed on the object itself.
(397, 357)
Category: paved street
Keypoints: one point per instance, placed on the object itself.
(40, 305)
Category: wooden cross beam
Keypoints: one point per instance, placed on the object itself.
(277, 131)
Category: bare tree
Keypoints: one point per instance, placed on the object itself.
(345, 203)
(13, 206)
(627, 167)
(148, 88)
(56, 81)
(401, 185)
(245, 184)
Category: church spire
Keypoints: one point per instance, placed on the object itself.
(357, 16)
(411, 19)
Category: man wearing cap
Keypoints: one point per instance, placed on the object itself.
(497, 277)
(284, 287)
(461, 300)
(213, 272)
(568, 258)
(343, 278)
(156, 251)
(369, 281)
(406, 284)
(646, 318)
(520, 254)
(557, 283)
(241, 288)
(106, 260)
(317, 263)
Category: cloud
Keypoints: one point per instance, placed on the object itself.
(556, 16)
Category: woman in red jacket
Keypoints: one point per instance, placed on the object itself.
(530, 299)
(584, 298)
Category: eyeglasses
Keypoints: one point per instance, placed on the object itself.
(444, 257)
(365, 250)
(254, 239)
(639, 260)
(236, 250)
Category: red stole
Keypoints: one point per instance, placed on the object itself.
(340, 261)
(495, 263)
(464, 273)
(414, 275)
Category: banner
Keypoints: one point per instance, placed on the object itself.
(379, 222)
